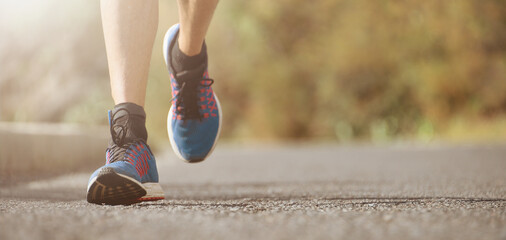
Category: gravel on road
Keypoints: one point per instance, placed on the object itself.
(284, 192)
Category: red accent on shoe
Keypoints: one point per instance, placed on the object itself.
(145, 199)
(213, 106)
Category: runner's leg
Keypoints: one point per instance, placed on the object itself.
(130, 174)
(129, 31)
(195, 17)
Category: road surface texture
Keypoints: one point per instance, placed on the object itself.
(284, 192)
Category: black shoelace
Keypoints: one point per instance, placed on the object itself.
(187, 99)
(119, 137)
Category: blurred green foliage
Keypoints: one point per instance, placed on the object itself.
(355, 69)
(291, 69)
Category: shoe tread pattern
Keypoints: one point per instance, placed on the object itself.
(114, 189)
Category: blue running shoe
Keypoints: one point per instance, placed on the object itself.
(129, 174)
(194, 119)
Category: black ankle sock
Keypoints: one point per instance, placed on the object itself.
(136, 127)
(182, 62)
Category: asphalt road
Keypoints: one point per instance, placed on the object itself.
(284, 192)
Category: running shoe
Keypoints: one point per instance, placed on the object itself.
(129, 174)
(194, 119)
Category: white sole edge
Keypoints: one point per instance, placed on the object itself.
(90, 183)
(153, 190)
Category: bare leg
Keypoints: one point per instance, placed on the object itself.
(195, 17)
(129, 31)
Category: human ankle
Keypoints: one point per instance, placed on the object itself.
(133, 117)
(182, 62)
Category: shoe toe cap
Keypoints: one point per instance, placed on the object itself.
(120, 167)
(194, 140)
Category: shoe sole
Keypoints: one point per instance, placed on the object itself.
(112, 188)
(166, 45)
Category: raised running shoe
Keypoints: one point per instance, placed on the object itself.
(194, 118)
